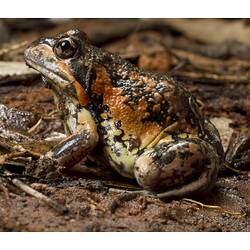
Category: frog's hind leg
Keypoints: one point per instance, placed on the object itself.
(178, 168)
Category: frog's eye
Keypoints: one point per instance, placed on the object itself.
(65, 48)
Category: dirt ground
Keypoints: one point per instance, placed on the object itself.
(217, 72)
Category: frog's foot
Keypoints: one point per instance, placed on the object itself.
(179, 168)
(74, 148)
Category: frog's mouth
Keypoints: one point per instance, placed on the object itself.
(49, 76)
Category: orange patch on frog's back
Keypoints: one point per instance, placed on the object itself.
(131, 119)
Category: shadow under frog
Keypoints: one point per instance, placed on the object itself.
(146, 126)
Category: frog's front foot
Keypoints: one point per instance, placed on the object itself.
(74, 148)
(178, 168)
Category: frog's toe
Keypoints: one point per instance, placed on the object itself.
(178, 168)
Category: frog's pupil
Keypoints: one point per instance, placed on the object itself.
(65, 45)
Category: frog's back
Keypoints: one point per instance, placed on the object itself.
(136, 109)
(141, 99)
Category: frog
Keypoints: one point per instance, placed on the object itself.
(144, 125)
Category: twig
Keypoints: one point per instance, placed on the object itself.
(27, 189)
(120, 185)
(124, 191)
(236, 170)
(33, 128)
(51, 116)
(221, 209)
(5, 157)
(211, 78)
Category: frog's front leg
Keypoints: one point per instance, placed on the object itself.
(178, 168)
(75, 147)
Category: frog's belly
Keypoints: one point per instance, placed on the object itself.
(120, 150)
(121, 159)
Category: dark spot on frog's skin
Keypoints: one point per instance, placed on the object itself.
(96, 108)
(108, 127)
(133, 143)
(175, 136)
(118, 124)
(162, 156)
(119, 138)
(115, 150)
(140, 151)
(198, 169)
(184, 155)
(160, 116)
(91, 107)
(202, 148)
(50, 60)
(206, 162)
(120, 165)
(106, 108)
(174, 117)
(102, 131)
(107, 59)
(177, 175)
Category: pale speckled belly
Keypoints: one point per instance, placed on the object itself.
(120, 149)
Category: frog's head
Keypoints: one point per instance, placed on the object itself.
(65, 63)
